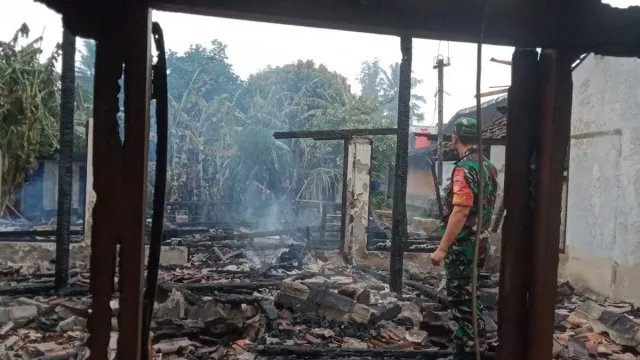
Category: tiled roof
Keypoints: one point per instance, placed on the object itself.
(497, 130)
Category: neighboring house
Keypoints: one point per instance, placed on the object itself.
(39, 195)
(602, 252)
(491, 110)
(420, 184)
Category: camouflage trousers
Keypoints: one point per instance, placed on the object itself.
(459, 267)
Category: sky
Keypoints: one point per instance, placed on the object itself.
(251, 46)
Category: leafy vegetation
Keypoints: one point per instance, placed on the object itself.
(221, 127)
(29, 109)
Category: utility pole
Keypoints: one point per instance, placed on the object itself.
(440, 64)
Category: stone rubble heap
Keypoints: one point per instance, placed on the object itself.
(249, 307)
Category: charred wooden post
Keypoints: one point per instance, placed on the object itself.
(137, 92)
(343, 205)
(323, 221)
(436, 185)
(90, 195)
(497, 221)
(555, 123)
(107, 171)
(65, 161)
(517, 227)
(399, 225)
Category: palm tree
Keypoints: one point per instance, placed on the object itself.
(389, 87)
(86, 66)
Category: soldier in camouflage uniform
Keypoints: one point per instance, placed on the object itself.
(458, 231)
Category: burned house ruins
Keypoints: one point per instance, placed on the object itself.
(240, 299)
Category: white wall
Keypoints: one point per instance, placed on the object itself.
(603, 204)
(497, 156)
(50, 184)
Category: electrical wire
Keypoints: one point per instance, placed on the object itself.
(480, 220)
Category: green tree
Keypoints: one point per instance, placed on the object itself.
(296, 96)
(29, 108)
(383, 86)
(203, 68)
(85, 68)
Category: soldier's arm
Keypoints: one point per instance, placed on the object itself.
(462, 203)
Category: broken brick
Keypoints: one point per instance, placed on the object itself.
(328, 299)
(171, 345)
(312, 339)
(356, 292)
(173, 308)
(410, 315)
(349, 343)
(416, 336)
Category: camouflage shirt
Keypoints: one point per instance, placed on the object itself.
(463, 190)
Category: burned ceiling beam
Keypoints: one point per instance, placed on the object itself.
(333, 134)
(582, 26)
(347, 133)
(485, 141)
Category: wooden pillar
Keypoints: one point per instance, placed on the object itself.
(107, 170)
(399, 225)
(137, 83)
(555, 122)
(89, 192)
(517, 228)
(357, 179)
(65, 161)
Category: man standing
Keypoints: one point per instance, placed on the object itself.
(458, 231)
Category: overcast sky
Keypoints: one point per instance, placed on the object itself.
(252, 46)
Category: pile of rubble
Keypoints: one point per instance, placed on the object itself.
(250, 305)
(587, 329)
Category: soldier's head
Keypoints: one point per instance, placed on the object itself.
(465, 134)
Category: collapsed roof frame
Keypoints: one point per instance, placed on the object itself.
(540, 97)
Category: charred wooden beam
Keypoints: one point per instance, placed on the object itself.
(436, 184)
(556, 98)
(343, 204)
(244, 245)
(257, 234)
(428, 292)
(333, 134)
(33, 234)
(228, 287)
(107, 170)
(334, 353)
(41, 289)
(517, 228)
(137, 86)
(585, 26)
(485, 141)
(399, 225)
(189, 296)
(323, 220)
(348, 133)
(65, 161)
